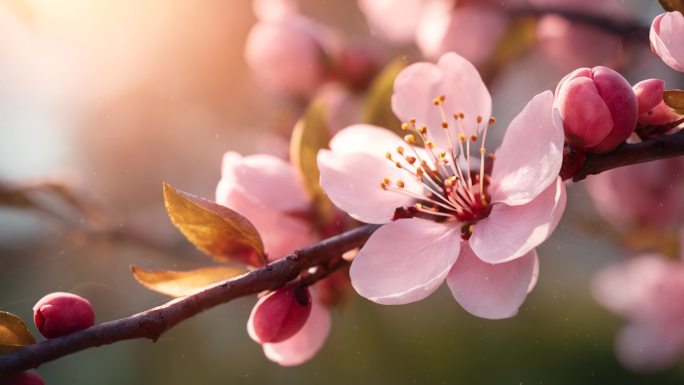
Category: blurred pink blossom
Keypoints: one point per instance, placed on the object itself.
(266, 190)
(289, 53)
(648, 291)
(442, 220)
(471, 29)
(642, 195)
(666, 34)
(598, 108)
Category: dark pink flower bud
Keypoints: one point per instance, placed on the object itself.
(652, 109)
(59, 313)
(279, 315)
(26, 378)
(598, 108)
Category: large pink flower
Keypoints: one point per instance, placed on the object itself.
(666, 34)
(476, 229)
(647, 290)
(267, 191)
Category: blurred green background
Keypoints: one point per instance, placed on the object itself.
(116, 97)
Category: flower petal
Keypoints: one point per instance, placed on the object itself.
(366, 138)
(352, 182)
(306, 343)
(509, 232)
(405, 261)
(458, 80)
(267, 179)
(280, 233)
(530, 155)
(666, 34)
(492, 291)
(392, 20)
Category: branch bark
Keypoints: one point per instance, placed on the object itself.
(154, 322)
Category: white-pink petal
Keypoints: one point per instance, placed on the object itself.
(509, 232)
(267, 179)
(530, 155)
(416, 87)
(492, 291)
(405, 261)
(666, 35)
(366, 138)
(391, 19)
(352, 182)
(306, 343)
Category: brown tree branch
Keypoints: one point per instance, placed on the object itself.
(152, 323)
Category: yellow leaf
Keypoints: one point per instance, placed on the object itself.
(378, 107)
(13, 333)
(310, 135)
(182, 283)
(674, 99)
(214, 229)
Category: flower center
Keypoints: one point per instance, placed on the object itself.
(452, 190)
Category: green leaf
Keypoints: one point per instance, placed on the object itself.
(310, 135)
(182, 283)
(378, 107)
(675, 100)
(214, 229)
(13, 333)
(672, 5)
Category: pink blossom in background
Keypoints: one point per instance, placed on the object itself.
(648, 291)
(666, 34)
(266, 190)
(642, 195)
(471, 29)
(288, 52)
(475, 228)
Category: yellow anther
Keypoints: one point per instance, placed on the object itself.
(411, 159)
(412, 121)
(473, 137)
(491, 155)
(437, 102)
(400, 150)
(400, 184)
(430, 145)
(462, 137)
(418, 206)
(398, 164)
(383, 186)
(386, 181)
(388, 155)
(422, 129)
(445, 124)
(419, 172)
(479, 119)
(449, 182)
(442, 98)
(492, 120)
(404, 126)
(410, 139)
(482, 151)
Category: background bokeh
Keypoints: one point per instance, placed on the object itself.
(115, 97)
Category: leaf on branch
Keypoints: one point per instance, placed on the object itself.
(675, 100)
(378, 106)
(13, 333)
(215, 230)
(183, 283)
(311, 134)
(672, 5)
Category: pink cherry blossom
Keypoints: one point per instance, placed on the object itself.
(641, 195)
(648, 291)
(443, 220)
(289, 52)
(666, 34)
(438, 26)
(267, 191)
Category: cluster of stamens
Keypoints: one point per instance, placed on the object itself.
(451, 190)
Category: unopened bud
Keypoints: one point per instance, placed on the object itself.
(598, 108)
(59, 313)
(652, 109)
(279, 315)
